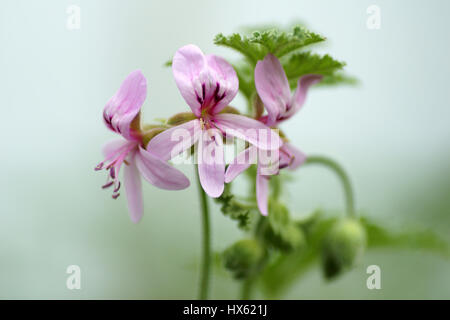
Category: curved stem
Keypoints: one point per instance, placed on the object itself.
(206, 243)
(343, 177)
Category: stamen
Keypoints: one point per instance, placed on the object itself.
(117, 188)
(112, 173)
(109, 184)
(99, 166)
(202, 123)
(203, 91)
(115, 195)
(284, 166)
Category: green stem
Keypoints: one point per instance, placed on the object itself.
(248, 284)
(206, 241)
(343, 177)
(247, 287)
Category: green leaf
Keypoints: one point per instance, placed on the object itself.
(282, 43)
(246, 79)
(260, 43)
(300, 64)
(338, 78)
(425, 240)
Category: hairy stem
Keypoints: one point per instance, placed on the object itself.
(206, 243)
(343, 177)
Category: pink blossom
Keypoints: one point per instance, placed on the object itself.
(121, 115)
(208, 84)
(273, 88)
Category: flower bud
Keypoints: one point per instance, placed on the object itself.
(243, 257)
(286, 239)
(181, 118)
(280, 231)
(343, 246)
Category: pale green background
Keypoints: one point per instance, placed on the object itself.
(392, 133)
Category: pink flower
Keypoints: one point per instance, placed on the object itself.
(122, 115)
(208, 84)
(273, 88)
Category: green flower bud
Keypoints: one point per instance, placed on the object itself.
(280, 232)
(343, 246)
(243, 257)
(287, 239)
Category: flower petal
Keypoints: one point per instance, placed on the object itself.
(159, 172)
(189, 67)
(249, 130)
(170, 143)
(133, 189)
(113, 147)
(211, 163)
(224, 80)
(272, 86)
(297, 156)
(241, 163)
(299, 97)
(125, 105)
(262, 190)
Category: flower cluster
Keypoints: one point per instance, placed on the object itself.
(208, 84)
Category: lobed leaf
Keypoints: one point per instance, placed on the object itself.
(260, 43)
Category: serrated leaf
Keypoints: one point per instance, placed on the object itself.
(282, 43)
(256, 46)
(338, 79)
(242, 44)
(300, 64)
